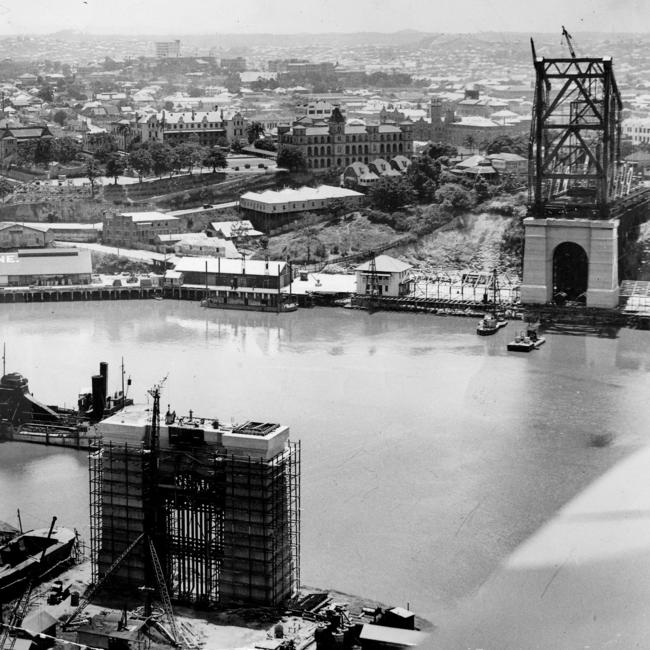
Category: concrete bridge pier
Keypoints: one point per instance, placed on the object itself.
(571, 256)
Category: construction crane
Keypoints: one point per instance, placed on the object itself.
(568, 38)
(374, 279)
(151, 534)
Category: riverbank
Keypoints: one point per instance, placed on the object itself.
(223, 628)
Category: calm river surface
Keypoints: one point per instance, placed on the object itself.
(429, 453)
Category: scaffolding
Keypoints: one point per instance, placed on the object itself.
(228, 524)
(95, 474)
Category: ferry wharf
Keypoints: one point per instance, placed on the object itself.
(72, 293)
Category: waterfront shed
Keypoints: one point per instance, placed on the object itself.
(45, 266)
(391, 276)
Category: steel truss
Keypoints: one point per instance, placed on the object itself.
(575, 138)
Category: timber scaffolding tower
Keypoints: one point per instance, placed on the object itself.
(226, 505)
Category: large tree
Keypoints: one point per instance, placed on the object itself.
(141, 161)
(161, 155)
(390, 193)
(105, 145)
(291, 158)
(25, 153)
(44, 152)
(215, 158)
(66, 149)
(455, 198)
(45, 93)
(424, 174)
(115, 166)
(92, 171)
(253, 131)
(60, 117)
(437, 150)
(508, 144)
(189, 154)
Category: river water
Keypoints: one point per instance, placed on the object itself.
(429, 453)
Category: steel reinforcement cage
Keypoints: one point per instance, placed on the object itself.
(230, 524)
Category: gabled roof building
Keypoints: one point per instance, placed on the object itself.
(12, 137)
(384, 275)
(208, 126)
(335, 144)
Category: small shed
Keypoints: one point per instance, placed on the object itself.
(381, 637)
(173, 278)
(399, 617)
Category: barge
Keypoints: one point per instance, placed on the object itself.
(526, 342)
(32, 556)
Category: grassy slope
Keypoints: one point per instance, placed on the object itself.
(472, 241)
(346, 236)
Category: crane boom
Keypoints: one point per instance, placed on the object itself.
(568, 39)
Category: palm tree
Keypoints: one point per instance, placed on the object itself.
(470, 143)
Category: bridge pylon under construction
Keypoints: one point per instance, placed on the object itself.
(584, 204)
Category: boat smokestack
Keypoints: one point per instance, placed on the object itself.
(98, 397)
(103, 371)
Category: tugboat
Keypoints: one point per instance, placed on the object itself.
(490, 324)
(526, 341)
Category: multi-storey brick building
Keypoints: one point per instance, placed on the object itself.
(208, 126)
(168, 49)
(335, 144)
(131, 228)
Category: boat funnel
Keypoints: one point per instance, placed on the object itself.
(103, 371)
(98, 397)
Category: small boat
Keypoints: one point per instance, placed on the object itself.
(33, 555)
(289, 305)
(490, 324)
(526, 341)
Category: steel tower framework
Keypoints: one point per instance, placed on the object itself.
(575, 138)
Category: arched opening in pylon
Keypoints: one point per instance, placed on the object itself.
(570, 272)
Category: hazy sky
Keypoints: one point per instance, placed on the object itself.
(289, 16)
